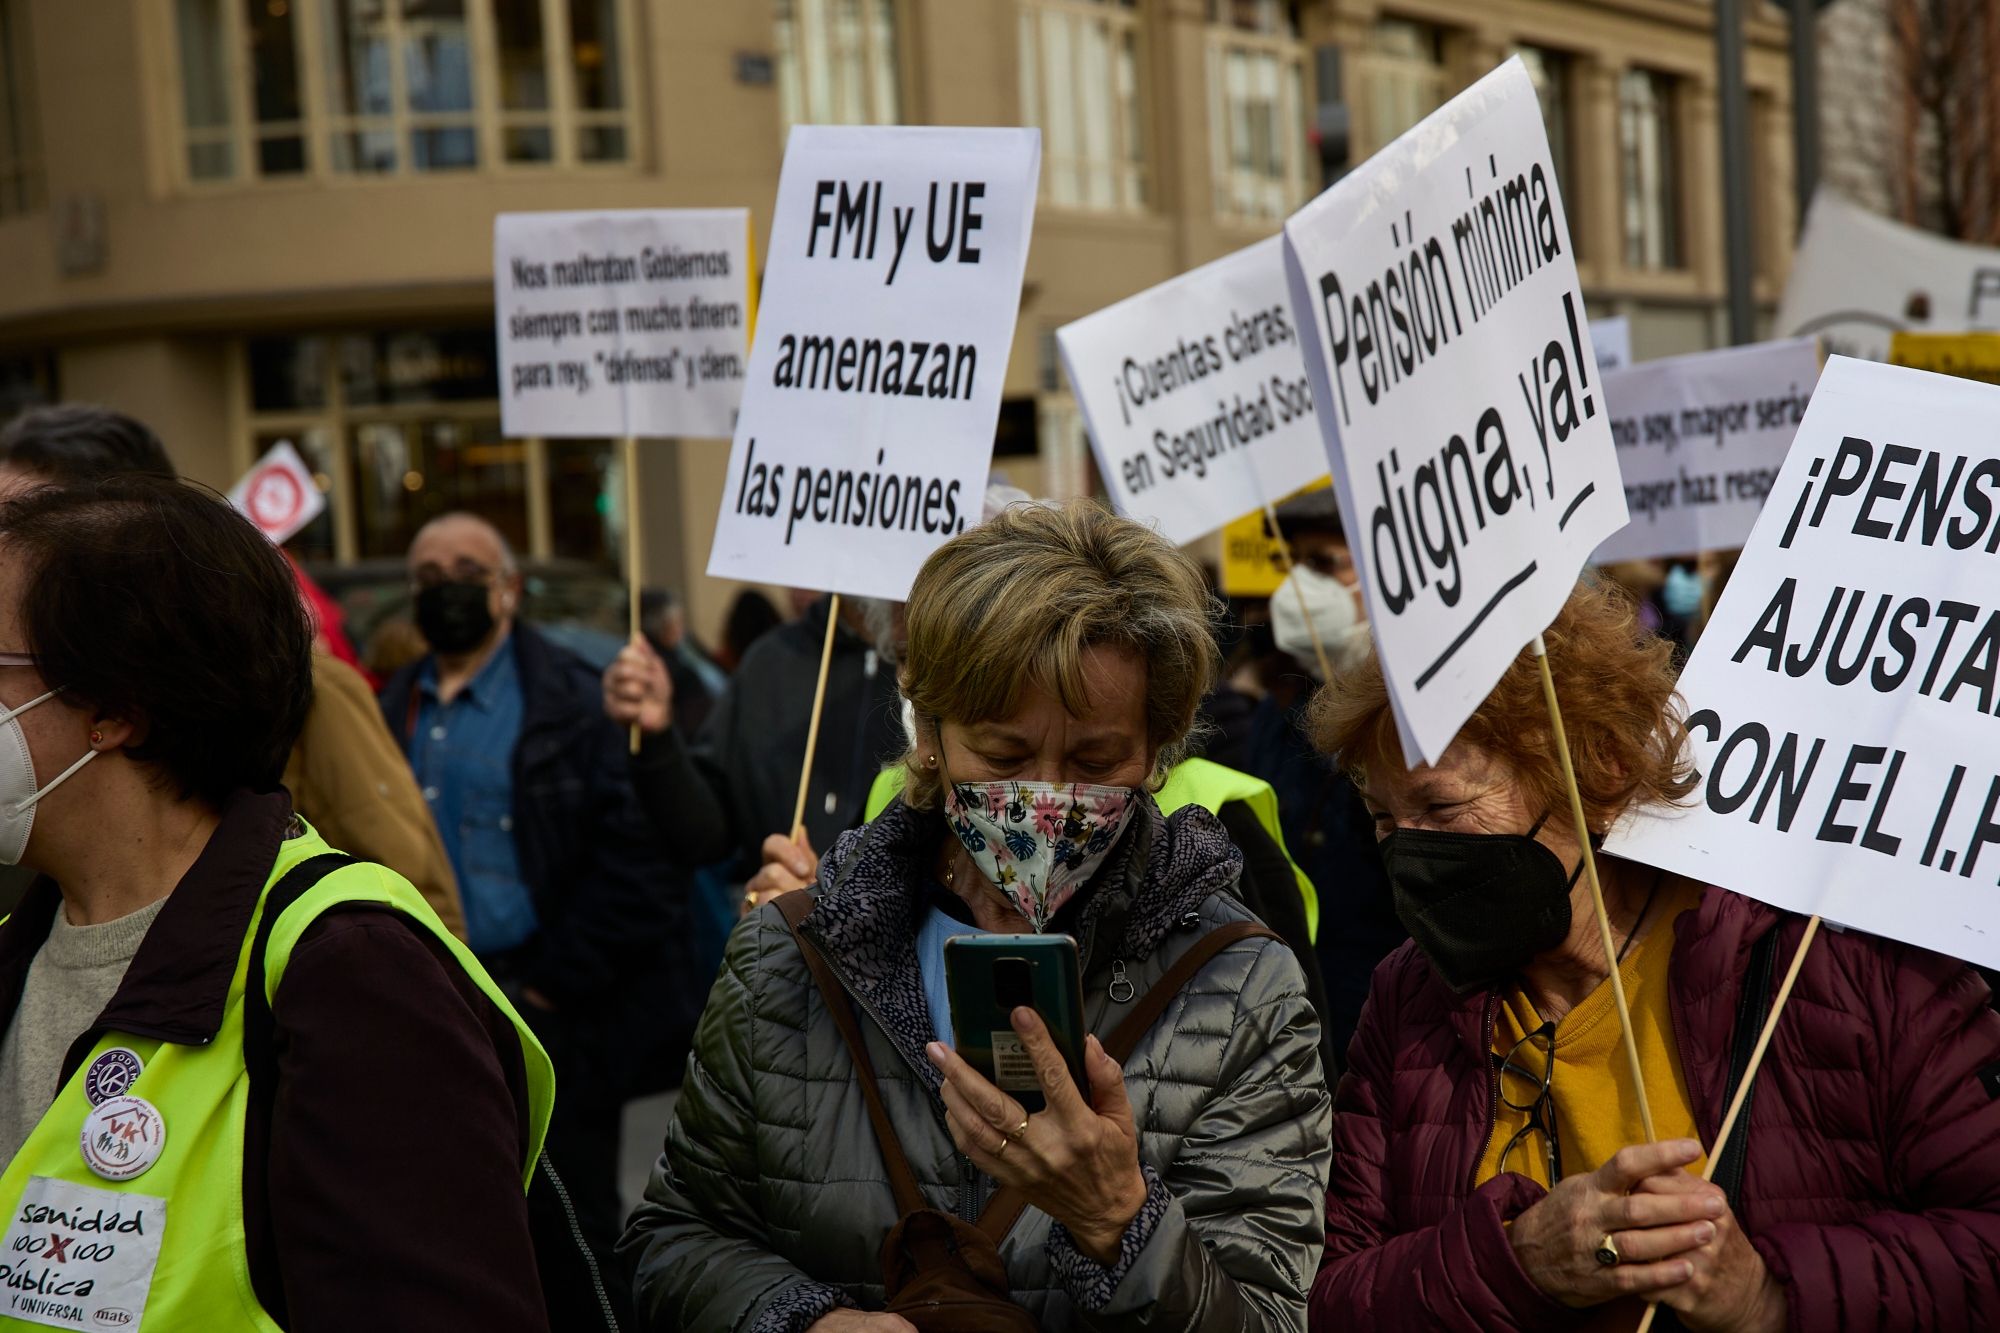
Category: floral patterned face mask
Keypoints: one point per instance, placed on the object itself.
(1038, 842)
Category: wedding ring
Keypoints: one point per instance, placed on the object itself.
(1607, 1251)
(1001, 1151)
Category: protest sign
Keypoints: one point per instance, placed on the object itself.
(1856, 278)
(1972, 356)
(622, 323)
(1458, 395)
(1843, 697)
(279, 494)
(1195, 395)
(1612, 339)
(890, 294)
(1700, 441)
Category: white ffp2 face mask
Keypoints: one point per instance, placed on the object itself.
(18, 792)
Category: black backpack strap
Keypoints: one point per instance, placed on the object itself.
(1753, 1005)
(260, 1054)
(260, 1046)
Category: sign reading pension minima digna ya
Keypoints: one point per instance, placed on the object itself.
(626, 322)
(1844, 700)
(1700, 440)
(1458, 396)
(1195, 395)
(890, 296)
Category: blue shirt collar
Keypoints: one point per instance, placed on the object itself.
(497, 675)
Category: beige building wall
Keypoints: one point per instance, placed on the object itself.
(141, 285)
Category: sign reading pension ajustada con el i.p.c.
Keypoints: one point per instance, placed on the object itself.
(1195, 395)
(1844, 700)
(890, 296)
(622, 322)
(1458, 396)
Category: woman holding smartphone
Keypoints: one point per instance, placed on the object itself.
(1056, 658)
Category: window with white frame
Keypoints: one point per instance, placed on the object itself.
(1080, 85)
(277, 88)
(837, 62)
(1256, 89)
(1649, 169)
(20, 141)
(1404, 77)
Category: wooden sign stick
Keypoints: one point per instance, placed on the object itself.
(812, 728)
(632, 573)
(1541, 651)
(1749, 1074)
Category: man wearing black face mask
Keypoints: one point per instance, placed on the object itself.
(569, 899)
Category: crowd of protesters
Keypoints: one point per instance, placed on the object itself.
(373, 973)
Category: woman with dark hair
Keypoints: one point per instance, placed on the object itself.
(1490, 1171)
(245, 1081)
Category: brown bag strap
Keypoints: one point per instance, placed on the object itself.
(794, 906)
(1005, 1207)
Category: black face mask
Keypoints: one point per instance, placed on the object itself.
(454, 617)
(1479, 905)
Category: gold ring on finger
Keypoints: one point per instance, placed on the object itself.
(1001, 1151)
(1607, 1253)
(1018, 1130)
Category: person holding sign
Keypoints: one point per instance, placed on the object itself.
(1056, 659)
(1490, 1170)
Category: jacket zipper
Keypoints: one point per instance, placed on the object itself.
(582, 1246)
(1493, 1103)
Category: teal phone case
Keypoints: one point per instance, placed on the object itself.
(986, 977)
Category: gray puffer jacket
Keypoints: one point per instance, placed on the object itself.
(769, 1205)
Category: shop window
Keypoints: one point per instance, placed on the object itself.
(21, 184)
(1257, 110)
(401, 425)
(404, 85)
(837, 62)
(1649, 170)
(1080, 83)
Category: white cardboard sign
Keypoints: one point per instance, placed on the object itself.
(1611, 337)
(625, 322)
(279, 494)
(890, 296)
(1856, 278)
(80, 1257)
(1195, 395)
(1460, 401)
(1700, 441)
(1842, 699)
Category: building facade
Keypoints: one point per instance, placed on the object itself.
(247, 221)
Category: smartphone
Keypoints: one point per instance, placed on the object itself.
(986, 978)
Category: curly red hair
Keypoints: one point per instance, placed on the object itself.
(1615, 684)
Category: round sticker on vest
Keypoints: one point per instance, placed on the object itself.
(123, 1137)
(111, 1074)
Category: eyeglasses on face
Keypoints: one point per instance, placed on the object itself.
(1527, 1088)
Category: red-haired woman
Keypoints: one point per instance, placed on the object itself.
(1489, 1168)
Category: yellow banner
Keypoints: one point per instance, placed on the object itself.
(1971, 356)
(1251, 564)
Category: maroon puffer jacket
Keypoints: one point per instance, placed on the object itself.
(1872, 1179)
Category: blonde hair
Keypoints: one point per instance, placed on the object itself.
(1014, 604)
